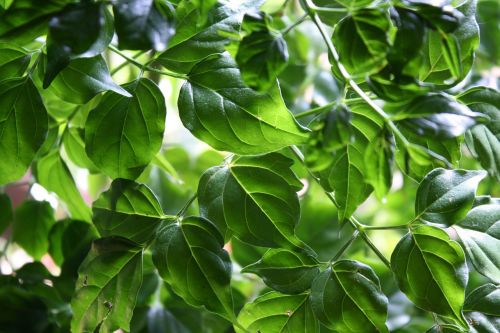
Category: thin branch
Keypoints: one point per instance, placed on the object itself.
(314, 111)
(345, 246)
(293, 25)
(187, 205)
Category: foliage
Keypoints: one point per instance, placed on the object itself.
(311, 115)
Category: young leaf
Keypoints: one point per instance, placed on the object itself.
(13, 61)
(285, 271)
(438, 116)
(141, 26)
(23, 127)
(82, 79)
(431, 270)
(363, 40)
(190, 258)
(53, 174)
(106, 291)
(6, 212)
(277, 313)
(122, 135)
(255, 197)
(483, 141)
(480, 235)
(262, 54)
(128, 210)
(80, 30)
(485, 299)
(347, 298)
(31, 226)
(445, 196)
(217, 107)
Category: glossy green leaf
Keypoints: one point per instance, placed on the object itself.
(254, 198)
(431, 270)
(277, 313)
(485, 299)
(438, 116)
(23, 127)
(80, 30)
(108, 282)
(5, 212)
(285, 271)
(347, 297)
(84, 78)
(480, 323)
(262, 53)
(483, 141)
(190, 258)
(53, 174)
(74, 146)
(445, 196)
(31, 226)
(129, 210)
(363, 40)
(140, 25)
(192, 43)
(122, 135)
(379, 157)
(13, 61)
(480, 235)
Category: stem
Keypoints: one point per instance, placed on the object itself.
(237, 324)
(318, 110)
(345, 247)
(145, 67)
(125, 63)
(315, 8)
(379, 254)
(187, 205)
(311, 10)
(293, 25)
(385, 227)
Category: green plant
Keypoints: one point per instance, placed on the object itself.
(309, 108)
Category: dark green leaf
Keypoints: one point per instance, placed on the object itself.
(13, 61)
(379, 157)
(431, 270)
(445, 196)
(53, 174)
(363, 41)
(5, 212)
(106, 291)
(438, 116)
(122, 135)
(347, 298)
(189, 256)
(80, 30)
(444, 329)
(217, 107)
(255, 198)
(23, 127)
(480, 235)
(262, 54)
(277, 313)
(480, 323)
(485, 299)
(141, 26)
(128, 210)
(285, 271)
(31, 226)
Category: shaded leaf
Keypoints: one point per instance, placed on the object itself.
(6, 213)
(379, 157)
(13, 61)
(485, 299)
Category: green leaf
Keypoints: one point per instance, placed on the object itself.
(84, 78)
(13, 61)
(445, 328)
(277, 313)
(141, 26)
(192, 43)
(255, 198)
(53, 174)
(480, 235)
(6, 209)
(23, 127)
(347, 298)
(481, 323)
(31, 226)
(483, 141)
(445, 196)
(431, 270)
(128, 209)
(485, 299)
(122, 135)
(106, 291)
(379, 157)
(438, 116)
(80, 30)
(74, 146)
(262, 53)
(438, 14)
(285, 271)
(5, 4)
(217, 107)
(363, 40)
(189, 256)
